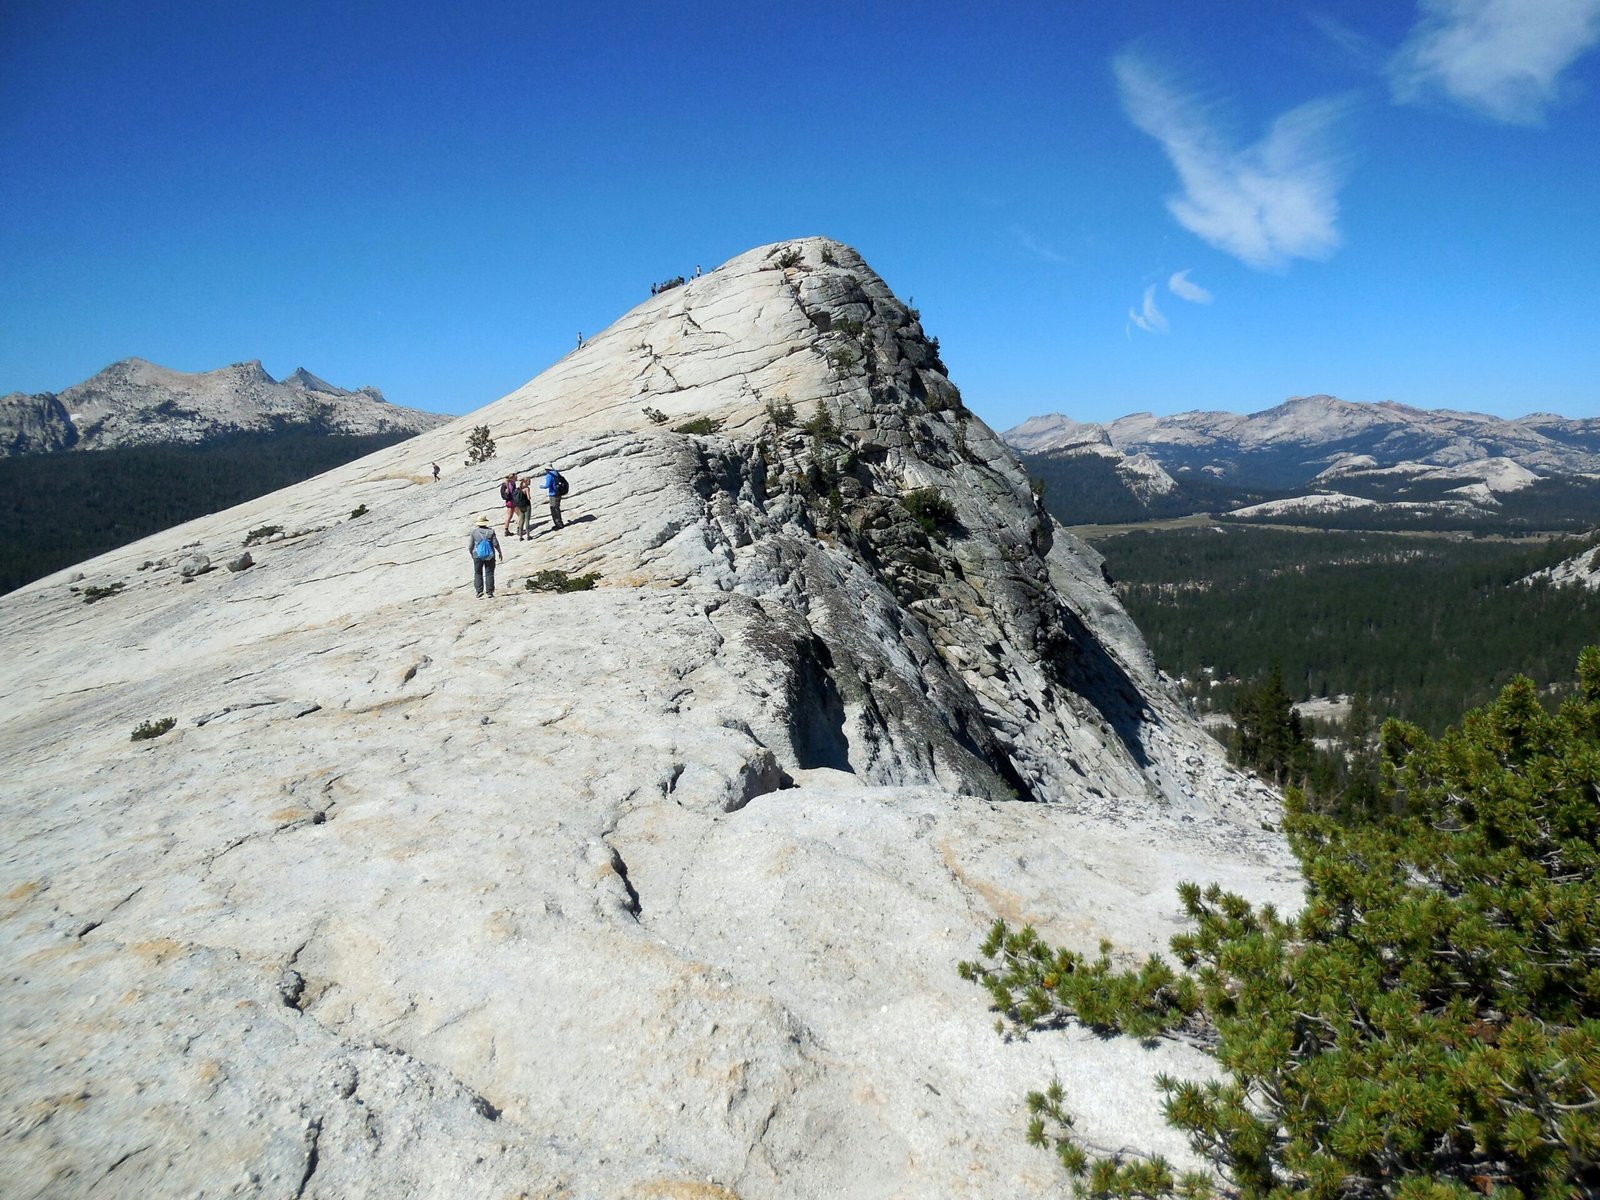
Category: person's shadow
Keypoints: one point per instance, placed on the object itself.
(546, 529)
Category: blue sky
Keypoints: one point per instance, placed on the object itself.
(1099, 208)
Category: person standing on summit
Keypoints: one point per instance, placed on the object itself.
(484, 548)
(556, 487)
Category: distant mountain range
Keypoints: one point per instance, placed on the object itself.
(152, 447)
(138, 403)
(1322, 458)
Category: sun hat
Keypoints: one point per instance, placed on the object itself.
(484, 520)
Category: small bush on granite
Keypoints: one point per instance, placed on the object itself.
(147, 730)
(821, 425)
(480, 446)
(358, 512)
(782, 413)
(94, 592)
(560, 581)
(790, 257)
(1427, 1028)
(930, 508)
(704, 426)
(842, 360)
(261, 534)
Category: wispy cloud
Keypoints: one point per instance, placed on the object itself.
(1149, 318)
(1035, 247)
(1266, 203)
(1500, 58)
(1180, 287)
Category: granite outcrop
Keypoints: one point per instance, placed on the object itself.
(139, 403)
(651, 889)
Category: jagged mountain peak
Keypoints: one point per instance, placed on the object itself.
(138, 402)
(307, 382)
(608, 891)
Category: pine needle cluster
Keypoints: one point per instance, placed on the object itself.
(1427, 1027)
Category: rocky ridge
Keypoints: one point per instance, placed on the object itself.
(652, 889)
(138, 403)
(1400, 461)
(1581, 570)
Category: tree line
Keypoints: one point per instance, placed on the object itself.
(59, 509)
(1426, 627)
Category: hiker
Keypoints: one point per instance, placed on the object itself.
(436, 472)
(484, 548)
(556, 487)
(508, 493)
(524, 506)
(580, 339)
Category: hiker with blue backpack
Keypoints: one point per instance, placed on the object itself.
(556, 485)
(484, 548)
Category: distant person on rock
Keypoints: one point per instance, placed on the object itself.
(524, 506)
(436, 472)
(508, 493)
(556, 487)
(485, 550)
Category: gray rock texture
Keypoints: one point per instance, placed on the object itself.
(138, 403)
(1291, 443)
(653, 889)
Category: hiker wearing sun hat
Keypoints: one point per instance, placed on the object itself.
(484, 548)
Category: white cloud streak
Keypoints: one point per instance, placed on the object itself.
(1037, 248)
(1502, 59)
(1180, 287)
(1265, 204)
(1150, 318)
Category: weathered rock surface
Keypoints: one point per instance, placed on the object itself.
(1581, 570)
(138, 403)
(656, 889)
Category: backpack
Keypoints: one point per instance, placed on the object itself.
(561, 484)
(483, 548)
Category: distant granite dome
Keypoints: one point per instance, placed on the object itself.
(139, 403)
(652, 889)
(1291, 443)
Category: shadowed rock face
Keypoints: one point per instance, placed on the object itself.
(656, 888)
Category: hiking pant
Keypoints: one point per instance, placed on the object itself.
(555, 511)
(483, 573)
(523, 517)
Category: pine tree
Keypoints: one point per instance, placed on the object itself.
(1428, 1026)
(480, 446)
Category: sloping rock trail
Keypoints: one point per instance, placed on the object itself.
(654, 889)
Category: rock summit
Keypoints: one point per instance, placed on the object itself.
(652, 889)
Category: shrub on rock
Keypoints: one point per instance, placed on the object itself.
(1428, 1026)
